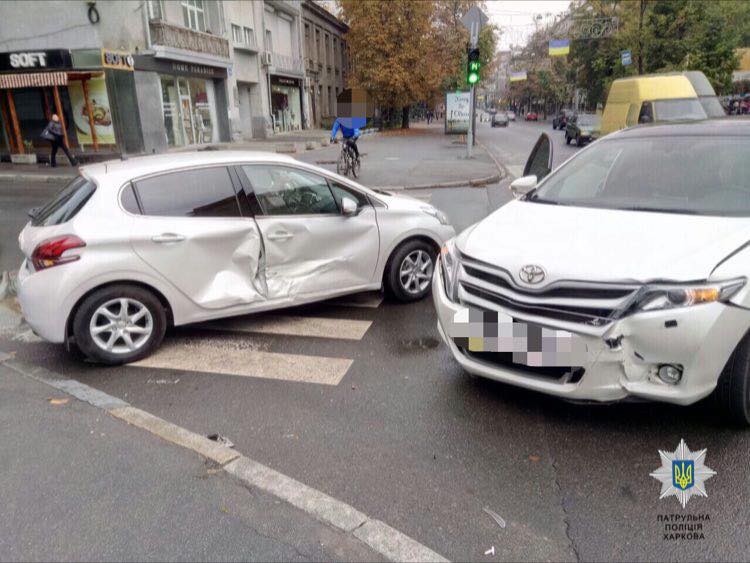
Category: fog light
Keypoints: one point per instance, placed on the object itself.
(670, 374)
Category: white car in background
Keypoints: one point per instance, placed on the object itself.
(623, 274)
(131, 246)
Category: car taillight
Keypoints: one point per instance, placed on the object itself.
(50, 252)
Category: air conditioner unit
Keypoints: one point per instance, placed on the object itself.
(265, 58)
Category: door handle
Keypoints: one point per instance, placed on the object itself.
(280, 235)
(167, 238)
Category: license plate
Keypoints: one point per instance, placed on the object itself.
(532, 345)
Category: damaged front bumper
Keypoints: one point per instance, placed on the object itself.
(621, 359)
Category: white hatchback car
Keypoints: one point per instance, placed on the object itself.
(131, 246)
(623, 274)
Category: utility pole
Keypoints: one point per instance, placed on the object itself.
(641, 11)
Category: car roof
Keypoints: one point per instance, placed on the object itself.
(122, 170)
(717, 127)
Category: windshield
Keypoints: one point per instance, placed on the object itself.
(65, 204)
(695, 175)
(587, 120)
(679, 109)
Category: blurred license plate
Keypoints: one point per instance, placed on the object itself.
(479, 330)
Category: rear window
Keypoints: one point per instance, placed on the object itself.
(66, 204)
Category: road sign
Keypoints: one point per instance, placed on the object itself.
(473, 20)
(626, 58)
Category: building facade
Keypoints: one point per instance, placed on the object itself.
(326, 61)
(147, 75)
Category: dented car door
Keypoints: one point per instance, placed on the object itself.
(310, 246)
(191, 232)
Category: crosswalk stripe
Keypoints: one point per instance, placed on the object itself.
(322, 327)
(366, 300)
(208, 358)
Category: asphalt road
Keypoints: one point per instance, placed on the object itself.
(405, 436)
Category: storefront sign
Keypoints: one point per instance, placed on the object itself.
(284, 81)
(117, 60)
(162, 66)
(457, 112)
(35, 60)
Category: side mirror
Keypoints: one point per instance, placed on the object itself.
(348, 206)
(523, 185)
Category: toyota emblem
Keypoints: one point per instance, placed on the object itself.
(531, 274)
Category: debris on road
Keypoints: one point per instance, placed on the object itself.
(496, 517)
(58, 401)
(218, 438)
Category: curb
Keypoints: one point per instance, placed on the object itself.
(44, 178)
(385, 540)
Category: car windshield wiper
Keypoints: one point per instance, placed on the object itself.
(658, 210)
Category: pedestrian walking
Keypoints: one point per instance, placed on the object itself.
(54, 134)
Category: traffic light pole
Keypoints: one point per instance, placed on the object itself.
(470, 135)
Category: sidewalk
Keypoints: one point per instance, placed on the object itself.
(420, 157)
(80, 485)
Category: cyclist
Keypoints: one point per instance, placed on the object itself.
(349, 131)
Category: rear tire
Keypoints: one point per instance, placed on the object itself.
(119, 324)
(567, 139)
(578, 141)
(732, 393)
(355, 166)
(407, 270)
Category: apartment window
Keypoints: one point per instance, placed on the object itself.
(194, 14)
(236, 33)
(155, 10)
(269, 43)
(249, 35)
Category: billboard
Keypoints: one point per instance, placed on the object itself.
(457, 112)
(99, 107)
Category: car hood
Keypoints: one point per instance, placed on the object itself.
(578, 243)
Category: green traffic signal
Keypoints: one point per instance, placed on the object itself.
(472, 75)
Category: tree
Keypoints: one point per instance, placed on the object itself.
(392, 44)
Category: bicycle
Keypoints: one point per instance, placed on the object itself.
(347, 161)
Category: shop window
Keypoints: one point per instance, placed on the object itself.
(287, 191)
(189, 110)
(155, 10)
(194, 14)
(202, 192)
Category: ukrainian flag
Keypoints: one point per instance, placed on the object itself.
(518, 76)
(559, 47)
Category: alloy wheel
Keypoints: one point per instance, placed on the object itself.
(121, 326)
(415, 272)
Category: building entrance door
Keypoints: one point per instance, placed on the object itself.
(186, 107)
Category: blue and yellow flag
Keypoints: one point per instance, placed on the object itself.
(559, 47)
(518, 76)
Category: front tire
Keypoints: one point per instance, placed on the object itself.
(342, 165)
(408, 276)
(119, 324)
(732, 393)
(567, 139)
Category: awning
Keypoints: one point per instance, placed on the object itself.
(33, 79)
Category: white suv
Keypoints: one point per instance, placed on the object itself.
(131, 246)
(622, 274)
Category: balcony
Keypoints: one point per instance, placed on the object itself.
(178, 37)
(284, 63)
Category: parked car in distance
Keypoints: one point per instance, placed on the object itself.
(671, 96)
(561, 119)
(531, 116)
(500, 119)
(512, 115)
(582, 128)
(622, 274)
(129, 247)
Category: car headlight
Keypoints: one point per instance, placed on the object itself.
(436, 213)
(660, 297)
(449, 264)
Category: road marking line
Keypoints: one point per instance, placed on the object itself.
(207, 358)
(423, 197)
(387, 541)
(371, 300)
(515, 170)
(321, 327)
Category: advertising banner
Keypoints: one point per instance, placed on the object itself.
(457, 112)
(105, 134)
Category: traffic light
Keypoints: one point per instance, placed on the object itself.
(472, 70)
